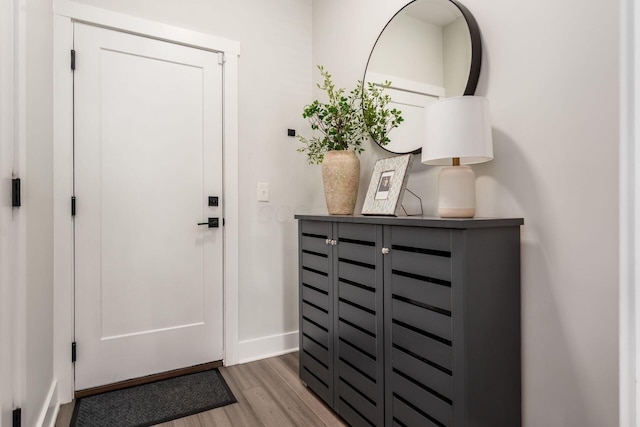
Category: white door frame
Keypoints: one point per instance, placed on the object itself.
(13, 264)
(12, 309)
(65, 13)
(629, 235)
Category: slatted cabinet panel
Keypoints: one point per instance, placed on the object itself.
(419, 360)
(427, 334)
(358, 316)
(316, 308)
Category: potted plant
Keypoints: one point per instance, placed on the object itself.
(345, 121)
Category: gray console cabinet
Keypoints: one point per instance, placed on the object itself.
(412, 321)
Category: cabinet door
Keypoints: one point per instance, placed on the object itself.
(418, 326)
(359, 302)
(316, 302)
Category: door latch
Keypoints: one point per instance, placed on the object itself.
(211, 223)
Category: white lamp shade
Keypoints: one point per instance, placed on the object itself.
(457, 127)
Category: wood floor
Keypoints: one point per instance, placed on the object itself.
(269, 394)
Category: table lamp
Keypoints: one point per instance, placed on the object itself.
(457, 133)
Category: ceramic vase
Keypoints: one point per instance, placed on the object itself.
(341, 176)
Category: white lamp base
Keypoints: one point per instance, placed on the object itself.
(457, 192)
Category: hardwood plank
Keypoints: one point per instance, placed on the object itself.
(293, 360)
(267, 410)
(287, 368)
(291, 404)
(241, 413)
(243, 378)
(191, 421)
(64, 414)
(216, 417)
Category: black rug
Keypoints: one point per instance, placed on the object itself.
(154, 403)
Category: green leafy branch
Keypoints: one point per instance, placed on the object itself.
(378, 119)
(346, 120)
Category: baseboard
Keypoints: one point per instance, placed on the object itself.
(50, 407)
(264, 347)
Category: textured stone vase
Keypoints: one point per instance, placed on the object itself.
(341, 176)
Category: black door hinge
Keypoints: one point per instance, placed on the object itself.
(73, 205)
(73, 59)
(15, 192)
(17, 417)
(74, 353)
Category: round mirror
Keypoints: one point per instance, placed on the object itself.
(429, 50)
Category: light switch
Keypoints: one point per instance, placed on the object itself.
(263, 192)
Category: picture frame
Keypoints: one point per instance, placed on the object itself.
(387, 186)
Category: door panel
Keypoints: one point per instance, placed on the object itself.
(148, 151)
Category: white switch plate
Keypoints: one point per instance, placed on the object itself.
(263, 192)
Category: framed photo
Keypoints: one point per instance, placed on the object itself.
(387, 185)
(382, 193)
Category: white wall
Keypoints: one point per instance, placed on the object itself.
(26, 249)
(274, 84)
(38, 207)
(550, 70)
(409, 37)
(456, 56)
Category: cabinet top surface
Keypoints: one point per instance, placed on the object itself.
(418, 221)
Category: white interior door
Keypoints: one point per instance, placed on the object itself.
(147, 157)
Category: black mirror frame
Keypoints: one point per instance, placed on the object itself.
(476, 55)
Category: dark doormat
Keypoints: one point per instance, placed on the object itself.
(154, 403)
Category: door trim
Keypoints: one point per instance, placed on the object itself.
(629, 216)
(65, 14)
(12, 255)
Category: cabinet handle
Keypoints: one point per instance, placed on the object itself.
(385, 251)
(334, 242)
(328, 241)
